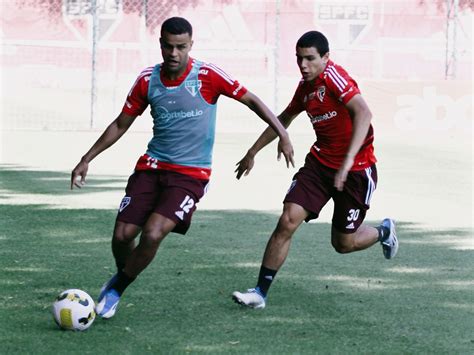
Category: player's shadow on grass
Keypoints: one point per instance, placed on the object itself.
(18, 180)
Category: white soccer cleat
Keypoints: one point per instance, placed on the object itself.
(252, 298)
(390, 242)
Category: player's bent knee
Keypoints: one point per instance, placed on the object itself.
(125, 233)
(342, 243)
(123, 238)
(342, 248)
(152, 237)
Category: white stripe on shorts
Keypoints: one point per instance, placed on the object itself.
(371, 187)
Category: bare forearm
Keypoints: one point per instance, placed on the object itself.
(275, 128)
(265, 138)
(111, 135)
(266, 115)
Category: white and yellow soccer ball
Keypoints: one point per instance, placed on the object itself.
(74, 310)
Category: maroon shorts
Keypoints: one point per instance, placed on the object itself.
(313, 186)
(170, 194)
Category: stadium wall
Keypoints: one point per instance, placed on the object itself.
(47, 51)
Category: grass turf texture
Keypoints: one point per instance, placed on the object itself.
(321, 302)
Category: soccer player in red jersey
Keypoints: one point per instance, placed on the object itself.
(172, 176)
(340, 165)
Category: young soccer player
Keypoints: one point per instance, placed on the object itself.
(339, 166)
(170, 179)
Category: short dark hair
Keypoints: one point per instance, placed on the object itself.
(177, 26)
(314, 39)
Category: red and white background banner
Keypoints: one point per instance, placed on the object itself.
(68, 64)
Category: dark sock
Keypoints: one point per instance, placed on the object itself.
(383, 232)
(120, 265)
(123, 280)
(265, 278)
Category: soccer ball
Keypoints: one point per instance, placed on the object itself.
(74, 310)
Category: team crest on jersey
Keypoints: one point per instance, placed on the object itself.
(321, 91)
(193, 86)
(125, 202)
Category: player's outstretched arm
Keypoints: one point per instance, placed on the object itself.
(111, 135)
(284, 146)
(276, 128)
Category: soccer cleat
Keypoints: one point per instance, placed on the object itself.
(389, 242)
(252, 298)
(107, 286)
(108, 304)
(108, 299)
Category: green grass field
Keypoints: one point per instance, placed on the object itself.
(422, 302)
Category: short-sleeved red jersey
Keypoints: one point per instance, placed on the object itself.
(214, 82)
(324, 101)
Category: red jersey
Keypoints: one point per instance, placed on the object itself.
(324, 101)
(212, 83)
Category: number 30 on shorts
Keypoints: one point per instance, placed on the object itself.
(187, 204)
(353, 215)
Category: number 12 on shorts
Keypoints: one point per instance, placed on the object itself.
(187, 204)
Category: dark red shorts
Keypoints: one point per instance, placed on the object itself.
(313, 186)
(170, 194)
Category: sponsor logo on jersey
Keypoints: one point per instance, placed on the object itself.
(125, 202)
(323, 117)
(164, 114)
(180, 214)
(193, 86)
(203, 71)
(321, 91)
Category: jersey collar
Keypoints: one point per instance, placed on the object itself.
(178, 81)
(321, 76)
